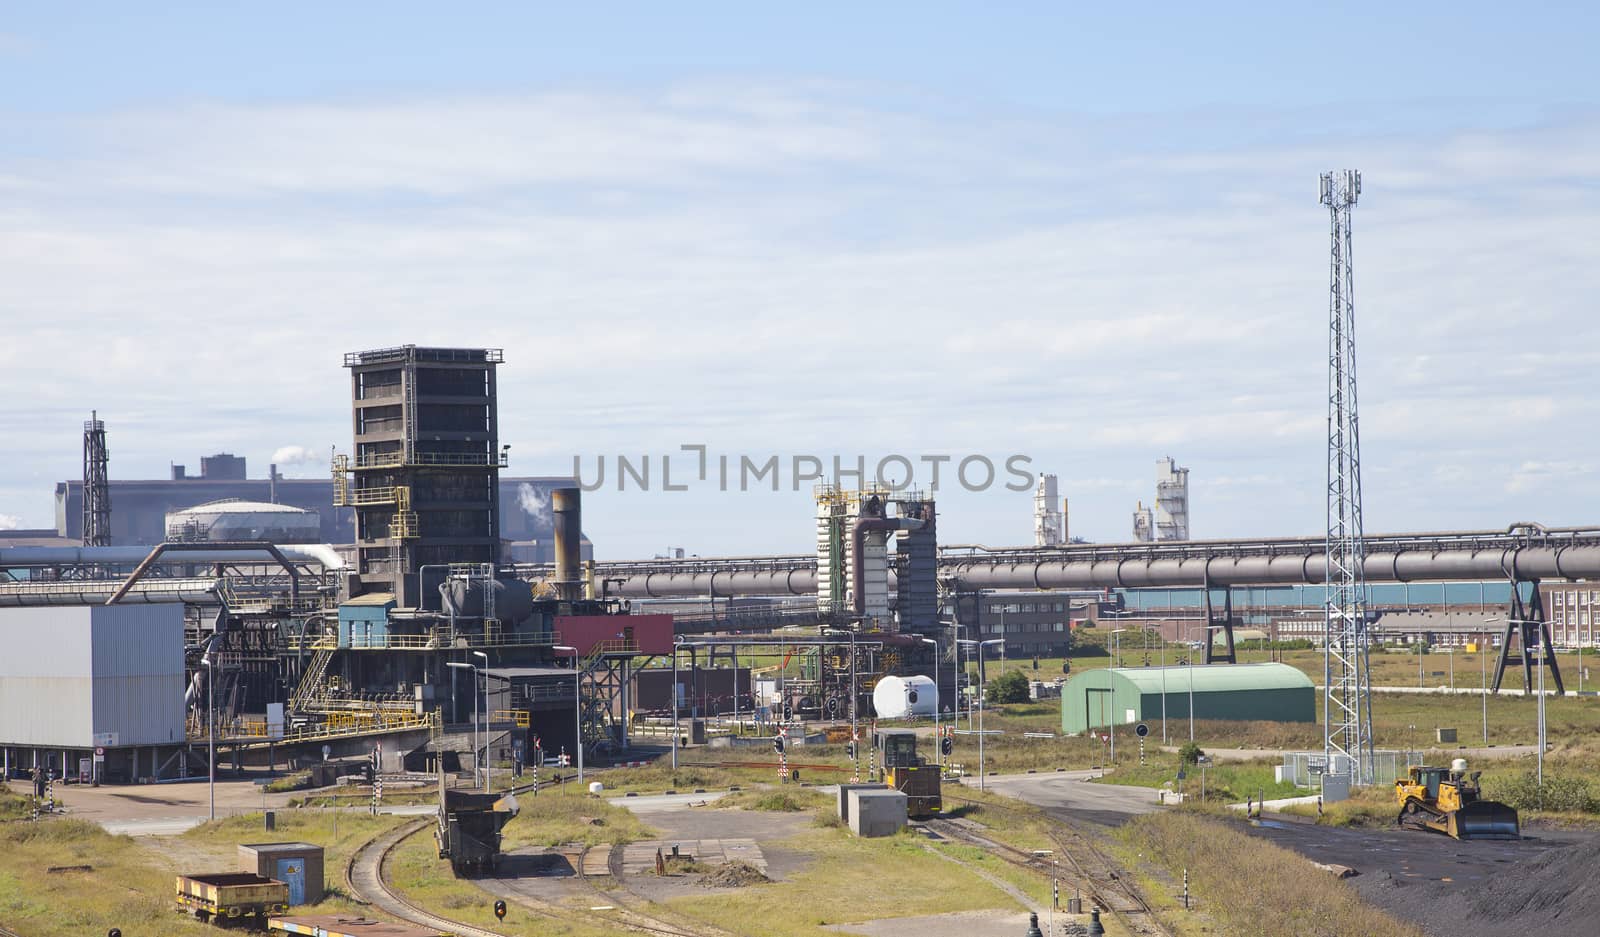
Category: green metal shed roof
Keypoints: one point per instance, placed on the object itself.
(1212, 677)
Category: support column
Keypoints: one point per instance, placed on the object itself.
(1527, 624)
(1226, 623)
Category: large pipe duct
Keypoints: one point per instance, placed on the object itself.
(97, 591)
(858, 566)
(1522, 552)
(567, 506)
(320, 554)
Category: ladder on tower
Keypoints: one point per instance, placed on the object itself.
(311, 682)
(408, 387)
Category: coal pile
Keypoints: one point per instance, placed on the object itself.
(1555, 895)
(734, 875)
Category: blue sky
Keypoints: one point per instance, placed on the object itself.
(1066, 231)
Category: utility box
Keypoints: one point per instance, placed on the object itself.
(298, 865)
(1335, 787)
(877, 813)
(844, 797)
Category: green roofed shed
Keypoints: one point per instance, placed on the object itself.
(1095, 699)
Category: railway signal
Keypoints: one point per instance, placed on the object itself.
(500, 910)
(947, 745)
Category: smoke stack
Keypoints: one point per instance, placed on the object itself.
(566, 505)
(272, 482)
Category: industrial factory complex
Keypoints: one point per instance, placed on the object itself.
(284, 621)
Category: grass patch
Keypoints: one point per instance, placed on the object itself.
(417, 872)
(790, 801)
(553, 818)
(849, 879)
(1229, 781)
(13, 806)
(287, 783)
(1227, 869)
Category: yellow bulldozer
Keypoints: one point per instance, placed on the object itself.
(1449, 801)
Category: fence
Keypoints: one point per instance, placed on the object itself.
(1305, 769)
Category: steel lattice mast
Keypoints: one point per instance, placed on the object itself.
(1347, 704)
(96, 484)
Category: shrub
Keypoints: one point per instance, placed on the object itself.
(1190, 753)
(1560, 793)
(1009, 687)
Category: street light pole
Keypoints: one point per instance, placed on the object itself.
(675, 644)
(465, 665)
(577, 702)
(938, 754)
(488, 762)
(211, 736)
(984, 704)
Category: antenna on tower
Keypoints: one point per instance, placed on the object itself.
(1347, 709)
(96, 484)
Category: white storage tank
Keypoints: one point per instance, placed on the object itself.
(905, 697)
(234, 519)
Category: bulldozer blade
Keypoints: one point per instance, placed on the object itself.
(1485, 819)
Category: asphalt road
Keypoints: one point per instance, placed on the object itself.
(1070, 795)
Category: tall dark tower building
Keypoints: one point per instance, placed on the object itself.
(424, 477)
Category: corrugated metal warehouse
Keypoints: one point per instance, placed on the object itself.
(74, 678)
(1095, 699)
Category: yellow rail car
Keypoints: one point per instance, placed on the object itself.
(227, 897)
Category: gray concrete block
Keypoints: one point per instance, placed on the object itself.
(844, 797)
(877, 813)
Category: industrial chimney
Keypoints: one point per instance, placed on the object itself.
(566, 504)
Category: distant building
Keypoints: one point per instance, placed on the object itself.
(1049, 525)
(139, 508)
(1169, 520)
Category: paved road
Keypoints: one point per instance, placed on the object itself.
(1071, 795)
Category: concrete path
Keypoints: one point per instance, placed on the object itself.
(1070, 794)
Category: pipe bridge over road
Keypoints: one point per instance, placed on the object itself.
(1522, 552)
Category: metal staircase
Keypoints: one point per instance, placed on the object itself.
(312, 682)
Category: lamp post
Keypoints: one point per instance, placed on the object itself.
(1116, 646)
(1483, 681)
(488, 761)
(467, 665)
(577, 702)
(211, 736)
(983, 704)
(675, 644)
(1543, 663)
(938, 753)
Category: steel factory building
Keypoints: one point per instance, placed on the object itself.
(1097, 699)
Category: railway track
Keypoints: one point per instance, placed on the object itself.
(368, 882)
(1087, 867)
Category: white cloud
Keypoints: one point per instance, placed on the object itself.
(795, 268)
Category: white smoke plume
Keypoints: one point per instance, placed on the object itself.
(535, 504)
(296, 455)
(10, 522)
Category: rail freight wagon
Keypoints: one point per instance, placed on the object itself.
(228, 897)
(469, 829)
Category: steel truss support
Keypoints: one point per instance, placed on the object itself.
(1222, 623)
(1526, 624)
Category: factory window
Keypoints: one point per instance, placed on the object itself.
(1027, 607)
(453, 417)
(384, 383)
(1061, 626)
(378, 419)
(1061, 606)
(453, 382)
